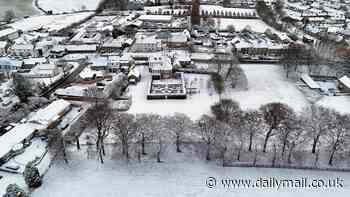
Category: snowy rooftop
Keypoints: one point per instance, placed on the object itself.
(71, 91)
(7, 32)
(50, 113)
(309, 81)
(163, 18)
(15, 136)
(345, 81)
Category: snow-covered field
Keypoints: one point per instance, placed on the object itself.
(256, 25)
(266, 83)
(68, 5)
(179, 175)
(338, 103)
(50, 22)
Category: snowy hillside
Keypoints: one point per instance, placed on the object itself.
(62, 5)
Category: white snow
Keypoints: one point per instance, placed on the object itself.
(68, 5)
(178, 176)
(49, 22)
(256, 25)
(266, 83)
(51, 113)
(338, 103)
(309, 81)
(194, 106)
(345, 80)
(15, 136)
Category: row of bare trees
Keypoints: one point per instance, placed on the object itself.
(316, 130)
(228, 133)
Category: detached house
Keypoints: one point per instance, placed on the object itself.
(23, 50)
(145, 43)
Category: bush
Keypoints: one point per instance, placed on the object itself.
(32, 176)
(13, 190)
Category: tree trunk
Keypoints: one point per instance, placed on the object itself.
(78, 142)
(290, 154)
(330, 162)
(274, 156)
(223, 156)
(208, 152)
(139, 155)
(103, 147)
(266, 139)
(316, 158)
(250, 142)
(178, 144)
(255, 156)
(64, 152)
(284, 146)
(159, 151)
(127, 151)
(239, 152)
(314, 145)
(101, 156)
(143, 144)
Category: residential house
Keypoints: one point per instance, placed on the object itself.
(32, 62)
(8, 65)
(160, 66)
(146, 44)
(9, 34)
(43, 71)
(23, 50)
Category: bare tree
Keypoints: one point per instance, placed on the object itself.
(225, 109)
(285, 131)
(179, 124)
(145, 124)
(161, 133)
(253, 122)
(208, 127)
(100, 117)
(297, 137)
(56, 143)
(224, 140)
(125, 128)
(318, 124)
(338, 135)
(275, 115)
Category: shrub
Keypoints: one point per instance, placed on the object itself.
(13, 190)
(32, 176)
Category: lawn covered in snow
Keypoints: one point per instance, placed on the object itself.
(180, 175)
(68, 5)
(256, 25)
(338, 103)
(50, 23)
(266, 83)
